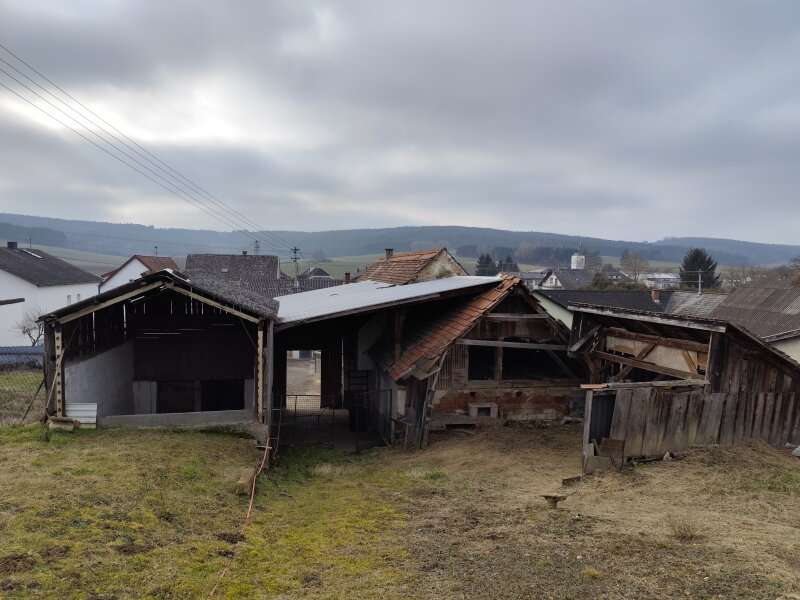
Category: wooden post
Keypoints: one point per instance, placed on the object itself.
(58, 376)
(588, 449)
(270, 341)
(259, 400)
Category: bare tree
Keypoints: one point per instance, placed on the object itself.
(29, 326)
(794, 269)
(634, 264)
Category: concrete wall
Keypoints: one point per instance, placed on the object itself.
(105, 379)
(38, 301)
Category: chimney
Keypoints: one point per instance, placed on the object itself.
(244, 252)
(12, 245)
(389, 253)
(655, 295)
(347, 277)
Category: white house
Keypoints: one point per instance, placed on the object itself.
(133, 268)
(43, 281)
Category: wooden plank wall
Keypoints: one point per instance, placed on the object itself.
(654, 421)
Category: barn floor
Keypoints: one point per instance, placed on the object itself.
(119, 514)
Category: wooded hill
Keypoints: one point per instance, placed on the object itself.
(125, 239)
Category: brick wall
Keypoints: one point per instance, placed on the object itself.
(544, 403)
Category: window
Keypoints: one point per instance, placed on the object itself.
(77, 297)
(481, 363)
(69, 298)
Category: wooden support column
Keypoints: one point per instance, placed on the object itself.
(58, 376)
(259, 400)
(588, 448)
(498, 364)
(268, 376)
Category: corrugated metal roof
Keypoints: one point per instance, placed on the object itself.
(367, 295)
(692, 303)
(764, 311)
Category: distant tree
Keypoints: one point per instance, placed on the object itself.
(468, 251)
(29, 326)
(319, 256)
(633, 264)
(699, 262)
(500, 251)
(601, 282)
(486, 265)
(794, 270)
(508, 265)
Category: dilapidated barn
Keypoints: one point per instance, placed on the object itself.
(663, 383)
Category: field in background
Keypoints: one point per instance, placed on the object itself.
(88, 261)
(122, 513)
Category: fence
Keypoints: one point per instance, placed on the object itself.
(363, 420)
(650, 422)
(22, 395)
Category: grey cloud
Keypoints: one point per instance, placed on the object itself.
(663, 119)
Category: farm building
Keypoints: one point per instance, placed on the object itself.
(161, 351)
(662, 383)
(448, 351)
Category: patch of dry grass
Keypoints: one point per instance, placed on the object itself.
(130, 514)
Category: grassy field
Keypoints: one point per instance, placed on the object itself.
(125, 514)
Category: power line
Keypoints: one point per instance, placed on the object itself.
(144, 151)
(180, 192)
(165, 171)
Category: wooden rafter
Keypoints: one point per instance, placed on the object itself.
(644, 353)
(645, 366)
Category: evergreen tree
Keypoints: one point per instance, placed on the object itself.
(509, 265)
(698, 261)
(486, 265)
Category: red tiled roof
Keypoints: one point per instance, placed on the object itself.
(401, 268)
(454, 324)
(153, 264)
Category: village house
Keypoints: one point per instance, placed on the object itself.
(44, 283)
(133, 268)
(401, 268)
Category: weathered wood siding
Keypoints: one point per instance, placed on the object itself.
(653, 421)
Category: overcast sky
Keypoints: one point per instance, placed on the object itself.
(632, 120)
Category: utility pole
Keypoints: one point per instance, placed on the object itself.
(155, 250)
(295, 259)
(256, 247)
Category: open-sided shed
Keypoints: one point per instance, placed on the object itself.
(161, 351)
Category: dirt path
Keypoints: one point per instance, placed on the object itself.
(716, 525)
